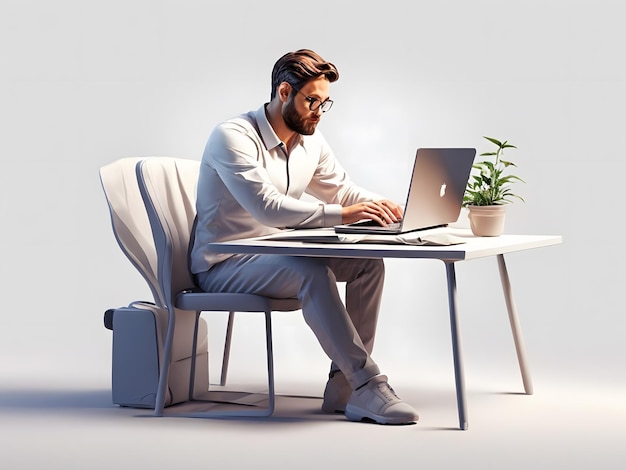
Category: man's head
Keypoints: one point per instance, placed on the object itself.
(300, 82)
(297, 68)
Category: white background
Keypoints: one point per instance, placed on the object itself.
(83, 83)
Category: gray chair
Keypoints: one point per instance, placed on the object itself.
(139, 328)
(168, 188)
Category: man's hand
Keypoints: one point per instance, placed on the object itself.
(383, 212)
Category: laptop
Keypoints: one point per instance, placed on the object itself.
(435, 194)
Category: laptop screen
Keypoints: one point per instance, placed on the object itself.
(435, 193)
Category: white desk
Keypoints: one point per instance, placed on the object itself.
(474, 247)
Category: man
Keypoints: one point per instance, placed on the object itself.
(254, 170)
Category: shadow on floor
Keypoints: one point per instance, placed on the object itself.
(55, 399)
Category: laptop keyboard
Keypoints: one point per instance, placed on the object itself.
(371, 223)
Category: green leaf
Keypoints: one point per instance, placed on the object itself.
(492, 140)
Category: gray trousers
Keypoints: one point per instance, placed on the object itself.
(346, 333)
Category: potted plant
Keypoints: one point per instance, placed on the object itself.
(488, 191)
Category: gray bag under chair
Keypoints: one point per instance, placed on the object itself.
(137, 342)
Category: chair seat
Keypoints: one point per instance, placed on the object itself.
(198, 300)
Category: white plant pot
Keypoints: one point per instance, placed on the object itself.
(487, 221)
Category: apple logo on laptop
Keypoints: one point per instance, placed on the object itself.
(442, 190)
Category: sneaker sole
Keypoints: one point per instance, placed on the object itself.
(332, 409)
(354, 413)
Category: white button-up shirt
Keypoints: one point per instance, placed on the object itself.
(250, 186)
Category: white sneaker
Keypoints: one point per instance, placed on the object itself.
(376, 401)
(336, 393)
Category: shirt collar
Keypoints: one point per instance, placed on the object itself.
(268, 135)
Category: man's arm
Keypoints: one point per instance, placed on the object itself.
(233, 151)
(332, 183)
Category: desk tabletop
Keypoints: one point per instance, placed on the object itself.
(472, 248)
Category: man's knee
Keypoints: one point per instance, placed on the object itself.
(375, 271)
(377, 266)
(350, 269)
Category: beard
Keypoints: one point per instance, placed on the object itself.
(295, 121)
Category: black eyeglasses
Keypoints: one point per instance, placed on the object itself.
(314, 103)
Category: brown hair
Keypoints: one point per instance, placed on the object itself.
(297, 68)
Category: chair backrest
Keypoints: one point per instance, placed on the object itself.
(168, 187)
(129, 219)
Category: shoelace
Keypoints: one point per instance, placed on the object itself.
(388, 392)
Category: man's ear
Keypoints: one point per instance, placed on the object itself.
(284, 89)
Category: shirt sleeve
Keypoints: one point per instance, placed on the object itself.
(332, 184)
(234, 152)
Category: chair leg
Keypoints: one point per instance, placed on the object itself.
(227, 341)
(245, 410)
(194, 352)
(166, 357)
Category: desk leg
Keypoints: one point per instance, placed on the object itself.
(515, 326)
(456, 345)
